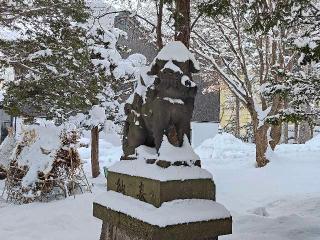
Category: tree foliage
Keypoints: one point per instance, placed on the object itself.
(264, 16)
(47, 44)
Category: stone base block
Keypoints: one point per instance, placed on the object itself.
(157, 192)
(125, 218)
(112, 232)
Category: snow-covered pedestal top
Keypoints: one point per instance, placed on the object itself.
(140, 168)
(170, 213)
(167, 152)
(170, 153)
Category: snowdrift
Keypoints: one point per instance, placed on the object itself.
(226, 149)
(314, 142)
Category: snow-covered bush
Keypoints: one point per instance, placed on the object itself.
(45, 165)
(6, 150)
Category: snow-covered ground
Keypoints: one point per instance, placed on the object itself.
(278, 202)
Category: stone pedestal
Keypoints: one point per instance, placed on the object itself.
(127, 218)
(191, 231)
(157, 192)
(160, 204)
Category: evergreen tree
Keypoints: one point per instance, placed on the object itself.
(302, 15)
(48, 47)
(302, 91)
(66, 63)
(301, 86)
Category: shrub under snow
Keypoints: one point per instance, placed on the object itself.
(6, 150)
(45, 165)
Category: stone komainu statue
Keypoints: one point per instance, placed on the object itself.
(163, 101)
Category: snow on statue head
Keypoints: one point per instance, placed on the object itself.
(162, 104)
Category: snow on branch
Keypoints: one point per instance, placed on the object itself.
(235, 85)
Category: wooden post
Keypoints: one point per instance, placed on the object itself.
(95, 169)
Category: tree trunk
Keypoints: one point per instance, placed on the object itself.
(275, 135)
(305, 129)
(159, 25)
(182, 21)
(304, 132)
(296, 132)
(261, 140)
(285, 125)
(285, 132)
(237, 133)
(312, 131)
(95, 152)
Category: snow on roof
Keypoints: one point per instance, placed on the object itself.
(177, 51)
(170, 213)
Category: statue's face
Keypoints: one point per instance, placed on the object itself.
(175, 80)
